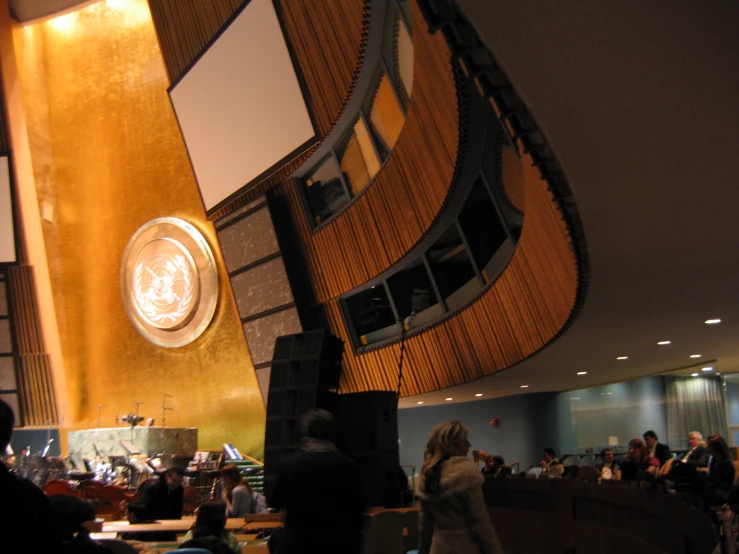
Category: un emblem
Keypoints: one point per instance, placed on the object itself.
(168, 281)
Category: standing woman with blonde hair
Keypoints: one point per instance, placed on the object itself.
(454, 518)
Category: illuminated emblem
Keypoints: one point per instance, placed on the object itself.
(168, 280)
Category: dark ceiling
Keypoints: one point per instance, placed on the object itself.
(639, 102)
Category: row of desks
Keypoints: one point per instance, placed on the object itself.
(182, 525)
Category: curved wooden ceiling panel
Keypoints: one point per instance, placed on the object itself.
(399, 206)
(519, 314)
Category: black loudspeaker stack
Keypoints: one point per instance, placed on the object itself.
(305, 369)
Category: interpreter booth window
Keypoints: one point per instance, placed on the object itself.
(484, 230)
(326, 191)
(358, 157)
(371, 314)
(452, 268)
(413, 292)
(404, 56)
(386, 116)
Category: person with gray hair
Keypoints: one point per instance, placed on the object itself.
(25, 513)
(320, 490)
(698, 454)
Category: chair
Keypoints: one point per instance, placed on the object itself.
(388, 534)
(588, 460)
(410, 520)
(571, 461)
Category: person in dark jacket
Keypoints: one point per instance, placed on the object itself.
(161, 498)
(25, 513)
(321, 491)
(638, 465)
(655, 448)
(720, 475)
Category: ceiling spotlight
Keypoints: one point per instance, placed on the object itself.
(712, 321)
(448, 399)
(479, 394)
(524, 386)
(694, 375)
(622, 358)
(664, 342)
(708, 368)
(582, 372)
(695, 355)
(419, 402)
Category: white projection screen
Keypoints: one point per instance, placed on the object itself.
(240, 106)
(7, 231)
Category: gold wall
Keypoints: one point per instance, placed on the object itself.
(108, 156)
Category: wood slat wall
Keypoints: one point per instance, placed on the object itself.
(35, 385)
(396, 209)
(521, 313)
(327, 37)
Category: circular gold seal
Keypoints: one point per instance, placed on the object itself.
(168, 282)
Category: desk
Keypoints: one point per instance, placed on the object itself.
(263, 524)
(172, 525)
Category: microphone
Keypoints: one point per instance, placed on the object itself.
(407, 320)
(48, 444)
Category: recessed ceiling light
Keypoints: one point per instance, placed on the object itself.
(419, 402)
(609, 393)
(694, 375)
(712, 321)
(574, 398)
(479, 394)
(622, 358)
(707, 368)
(664, 342)
(582, 372)
(695, 355)
(602, 394)
(448, 399)
(524, 386)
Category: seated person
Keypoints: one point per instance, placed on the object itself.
(609, 469)
(551, 467)
(638, 465)
(655, 448)
(25, 514)
(69, 513)
(698, 454)
(685, 467)
(161, 498)
(237, 493)
(209, 530)
(495, 467)
(720, 472)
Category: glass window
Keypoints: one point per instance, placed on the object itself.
(369, 311)
(325, 190)
(481, 225)
(358, 158)
(386, 116)
(405, 56)
(412, 290)
(450, 263)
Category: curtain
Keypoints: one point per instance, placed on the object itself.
(694, 404)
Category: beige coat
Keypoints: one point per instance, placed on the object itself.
(455, 520)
